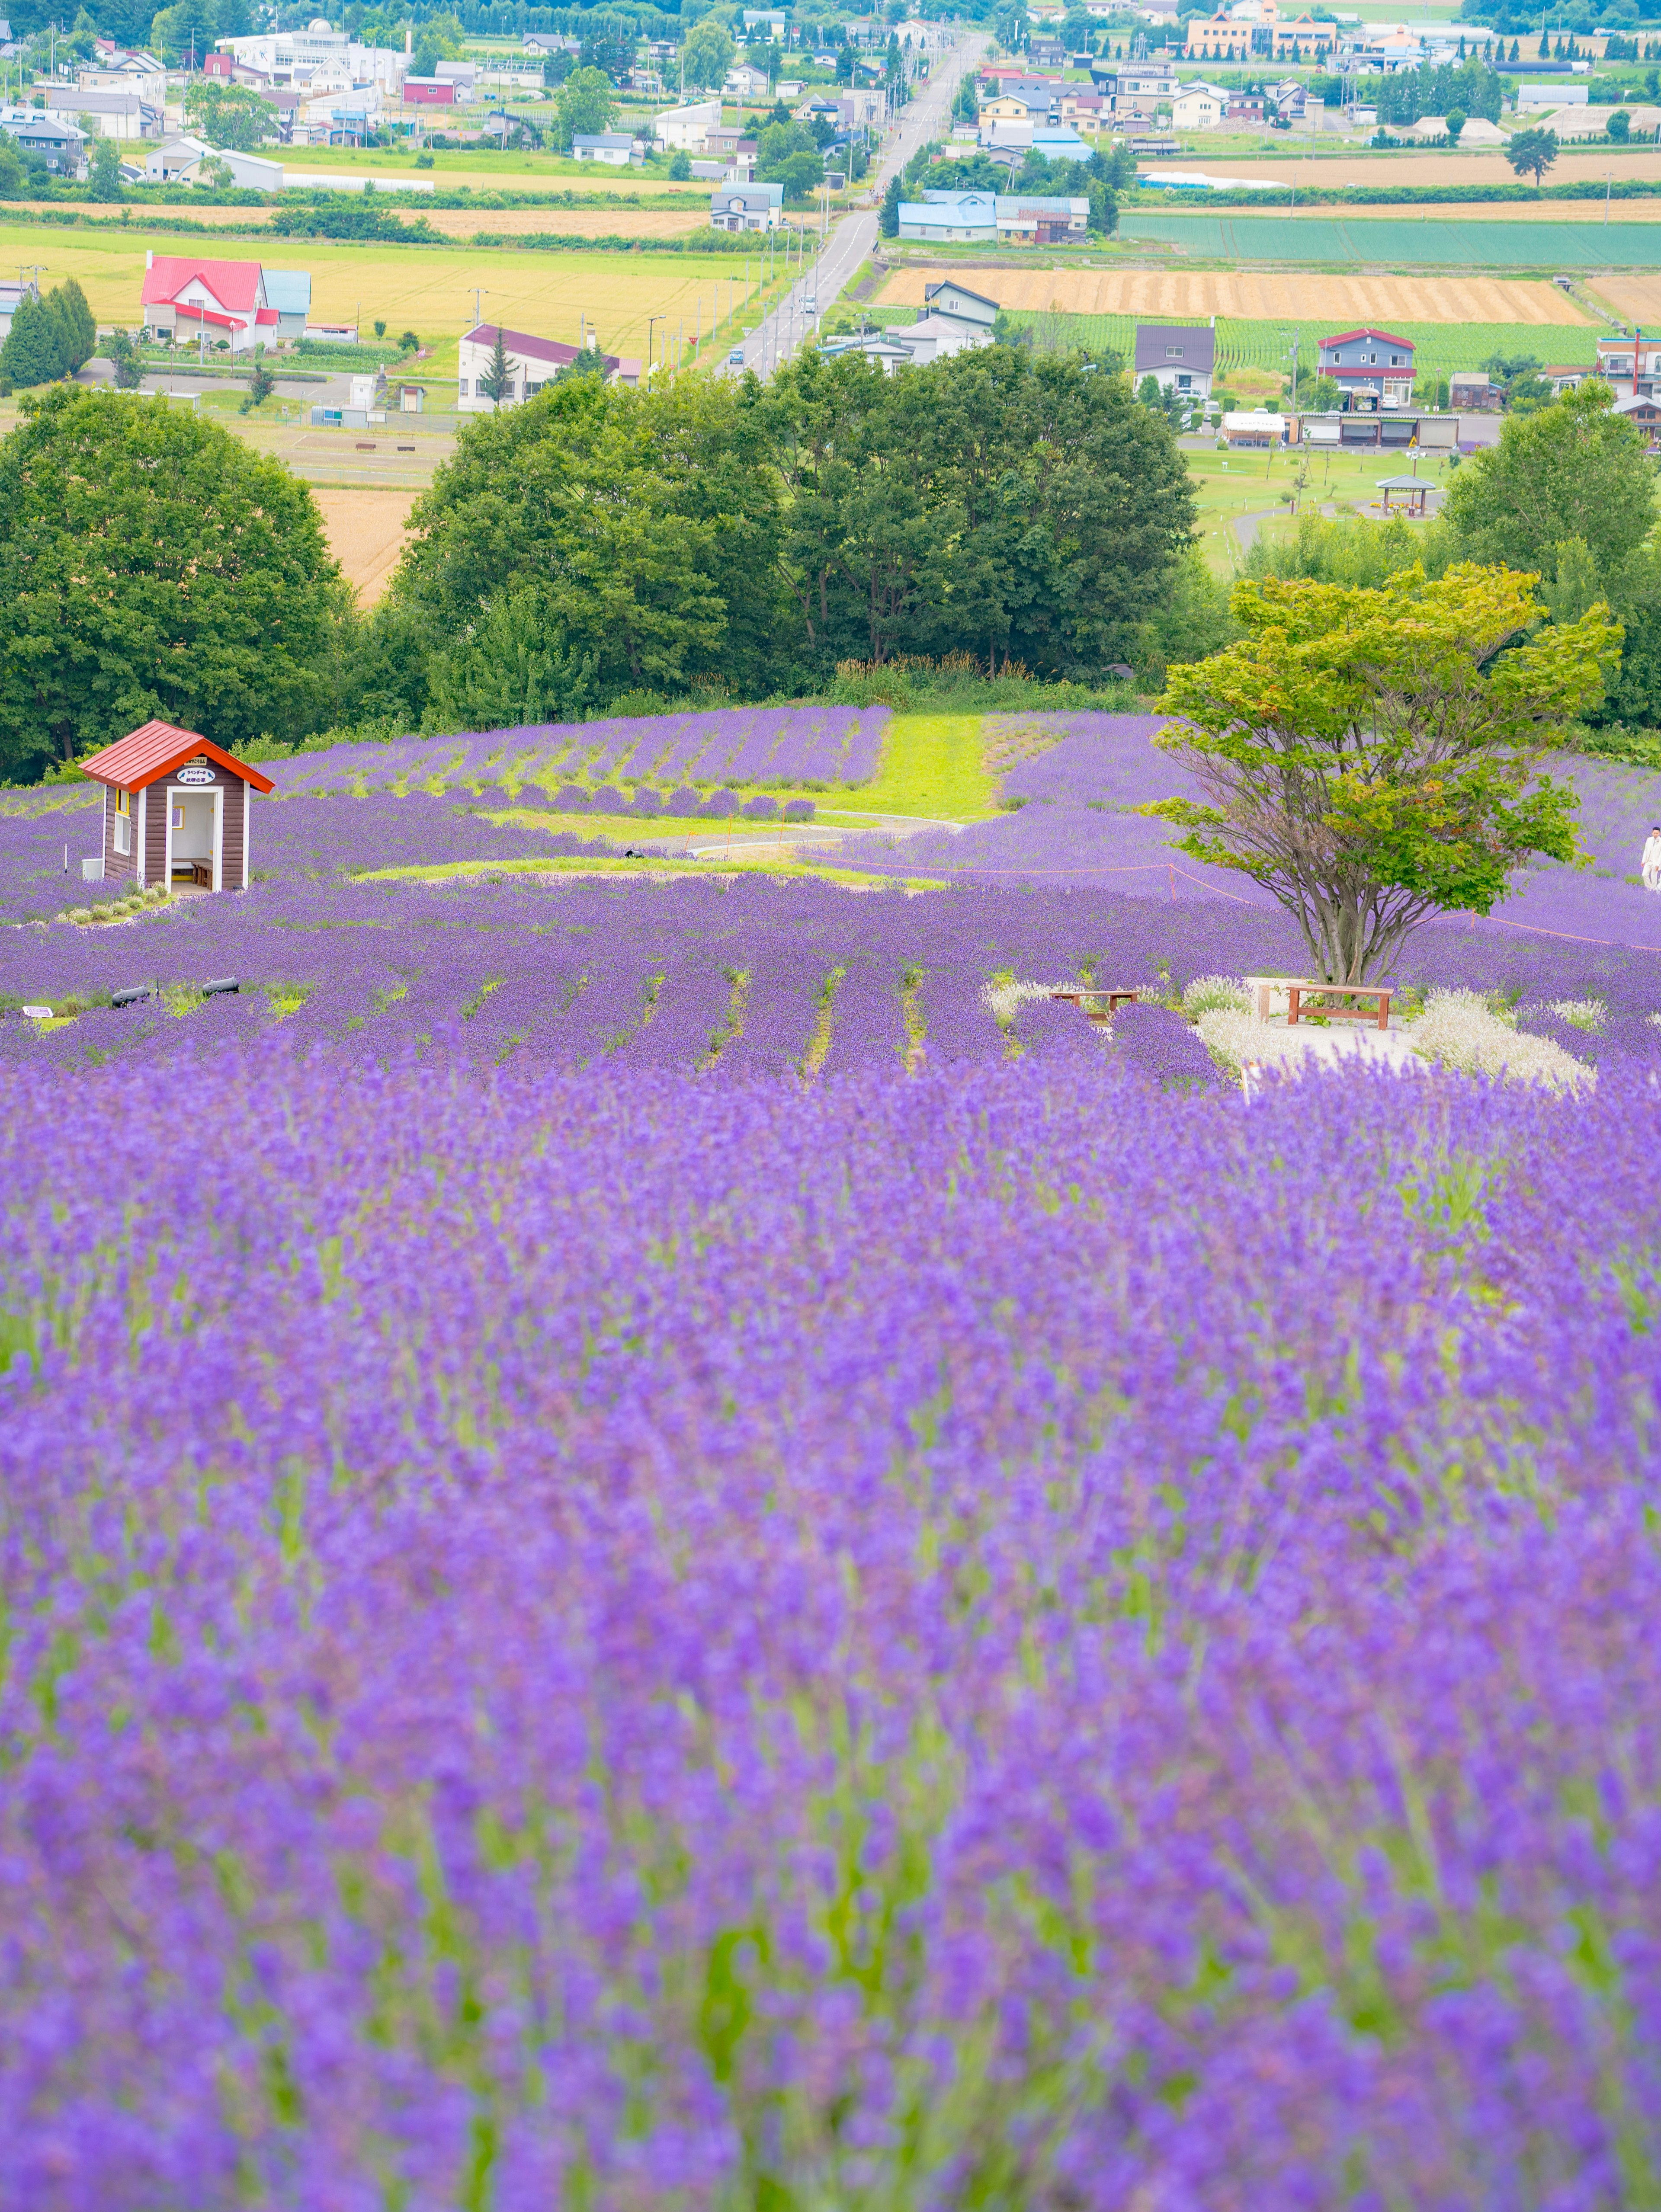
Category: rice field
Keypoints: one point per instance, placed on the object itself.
(1191, 296)
(1420, 239)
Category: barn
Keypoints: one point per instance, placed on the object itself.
(176, 809)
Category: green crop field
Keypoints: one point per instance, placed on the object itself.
(1439, 348)
(1393, 242)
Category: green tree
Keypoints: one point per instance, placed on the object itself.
(261, 385)
(1455, 122)
(184, 33)
(1002, 503)
(229, 116)
(800, 174)
(124, 359)
(153, 564)
(888, 217)
(646, 522)
(104, 170)
(497, 380)
(67, 302)
(34, 351)
(680, 165)
(706, 54)
(511, 667)
(586, 104)
(1372, 758)
(13, 173)
(1531, 152)
(609, 45)
(1574, 470)
(232, 18)
(1619, 126)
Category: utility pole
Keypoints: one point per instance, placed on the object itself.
(480, 292)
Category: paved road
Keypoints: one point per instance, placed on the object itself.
(929, 116)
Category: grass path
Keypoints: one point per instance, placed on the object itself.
(932, 764)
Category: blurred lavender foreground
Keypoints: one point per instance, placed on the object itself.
(1001, 1637)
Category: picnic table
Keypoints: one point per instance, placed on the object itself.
(1378, 1013)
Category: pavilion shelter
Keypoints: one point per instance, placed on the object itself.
(1404, 495)
(175, 808)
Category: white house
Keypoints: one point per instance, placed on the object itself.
(746, 207)
(616, 149)
(744, 83)
(186, 296)
(1199, 106)
(684, 129)
(172, 162)
(532, 363)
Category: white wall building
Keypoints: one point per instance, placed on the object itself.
(684, 129)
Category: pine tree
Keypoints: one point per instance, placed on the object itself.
(497, 380)
(33, 352)
(888, 219)
(68, 302)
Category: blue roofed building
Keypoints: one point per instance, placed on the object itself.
(289, 291)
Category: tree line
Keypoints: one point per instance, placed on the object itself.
(1016, 507)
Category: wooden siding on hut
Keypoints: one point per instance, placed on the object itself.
(234, 836)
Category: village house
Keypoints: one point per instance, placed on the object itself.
(1181, 357)
(532, 363)
(187, 297)
(614, 149)
(1372, 368)
(746, 207)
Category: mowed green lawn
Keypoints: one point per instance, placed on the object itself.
(1228, 486)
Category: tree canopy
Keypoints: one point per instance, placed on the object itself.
(1574, 470)
(229, 116)
(706, 54)
(587, 105)
(153, 564)
(1371, 756)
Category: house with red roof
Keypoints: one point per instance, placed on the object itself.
(175, 808)
(186, 295)
(1372, 368)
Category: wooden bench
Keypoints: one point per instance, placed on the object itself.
(1378, 1013)
(1091, 1002)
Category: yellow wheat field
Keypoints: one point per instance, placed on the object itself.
(1247, 298)
(1637, 297)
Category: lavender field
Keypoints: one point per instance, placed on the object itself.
(657, 1553)
(934, 1641)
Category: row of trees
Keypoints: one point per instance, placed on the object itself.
(51, 336)
(1014, 506)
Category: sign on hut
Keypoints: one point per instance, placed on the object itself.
(175, 808)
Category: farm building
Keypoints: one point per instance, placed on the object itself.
(1178, 356)
(185, 296)
(1371, 368)
(532, 363)
(175, 808)
(1255, 428)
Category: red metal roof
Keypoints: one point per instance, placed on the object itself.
(233, 283)
(1389, 339)
(147, 754)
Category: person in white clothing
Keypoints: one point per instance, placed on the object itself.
(1651, 863)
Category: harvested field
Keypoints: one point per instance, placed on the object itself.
(1362, 167)
(1184, 296)
(1637, 297)
(365, 530)
(427, 290)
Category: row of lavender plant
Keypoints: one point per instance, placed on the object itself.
(931, 1643)
(576, 972)
(812, 744)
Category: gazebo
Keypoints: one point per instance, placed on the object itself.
(175, 808)
(1411, 492)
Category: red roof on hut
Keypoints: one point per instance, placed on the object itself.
(147, 754)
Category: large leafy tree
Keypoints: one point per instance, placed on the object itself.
(152, 564)
(1372, 758)
(636, 531)
(1575, 469)
(229, 115)
(1531, 152)
(586, 104)
(1017, 508)
(706, 55)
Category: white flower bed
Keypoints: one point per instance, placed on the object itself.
(1237, 1041)
(1459, 1030)
(1215, 993)
(1588, 1014)
(1003, 1002)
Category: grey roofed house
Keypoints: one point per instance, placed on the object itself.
(58, 143)
(950, 298)
(746, 207)
(1180, 356)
